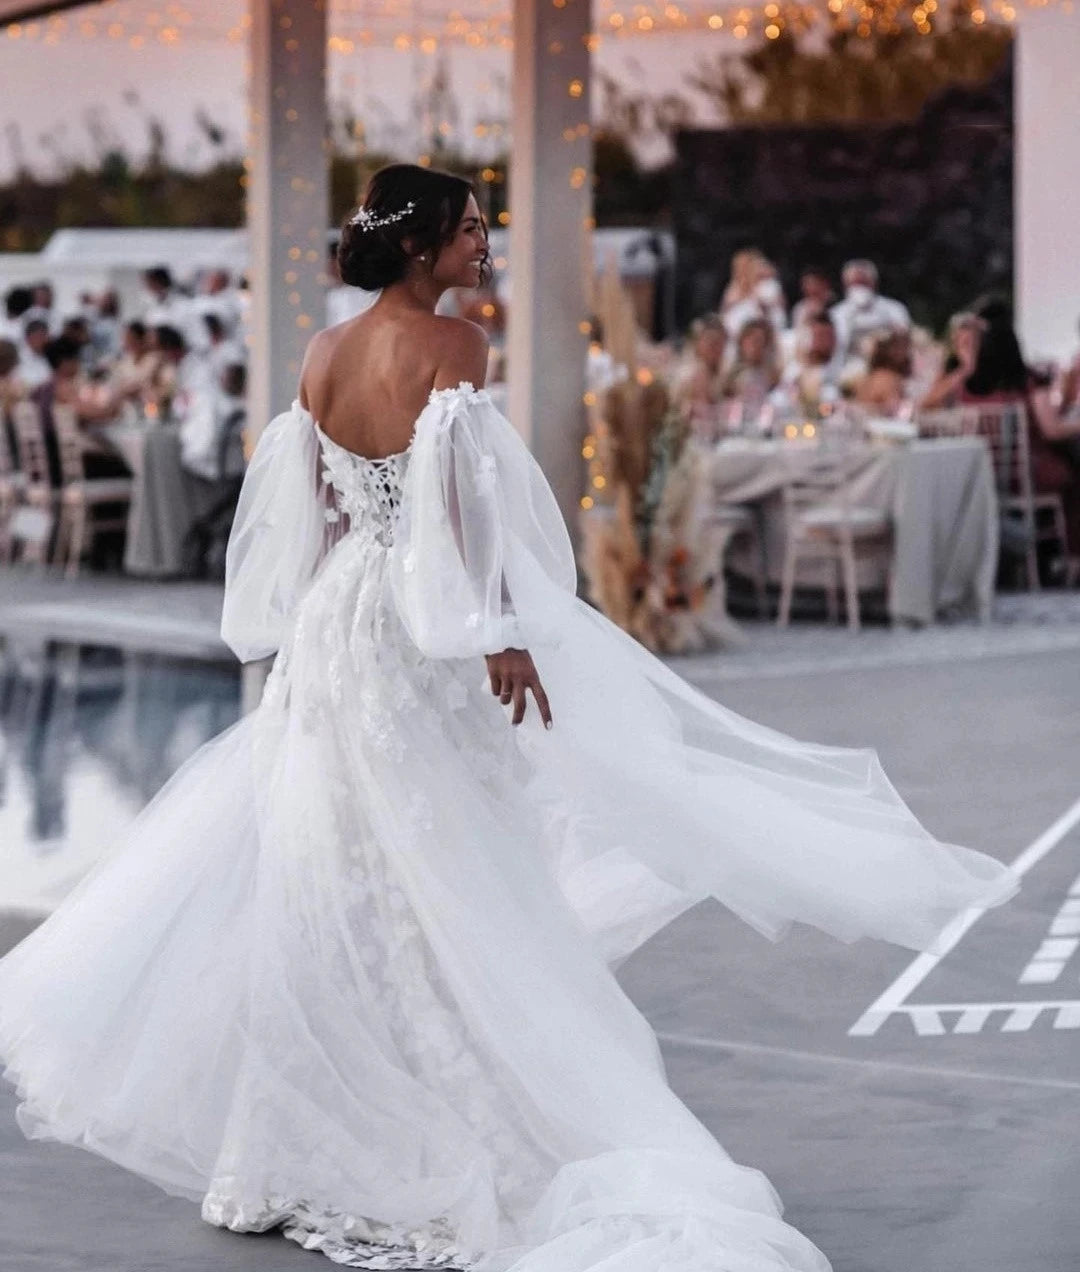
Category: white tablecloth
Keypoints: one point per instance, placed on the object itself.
(167, 499)
(940, 495)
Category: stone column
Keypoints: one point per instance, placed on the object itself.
(550, 210)
(1047, 189)
(288, 208)
(288, 212)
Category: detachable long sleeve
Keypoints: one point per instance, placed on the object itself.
(277, 537)
(479, 534)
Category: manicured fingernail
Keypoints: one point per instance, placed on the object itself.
(548, 725)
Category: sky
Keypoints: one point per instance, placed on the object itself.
(110, 88)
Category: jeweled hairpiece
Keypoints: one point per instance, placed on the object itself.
(366, 220)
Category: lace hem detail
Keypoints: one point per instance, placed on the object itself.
(348, 1240)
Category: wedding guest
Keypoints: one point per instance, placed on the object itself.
(106, 329)
(34, 367)
(863, 314)
(698, 381)
(77, 330)
(181, 375)
(17, 301)
(817, 295)
(222, 350)
(12, 389)
(1000, 375)
(754, 373)
(167, 306)
(766, 300)
(218, 296)
(884, 388)
(812, 378)
(744, 277)
(42, 300)
(211, 442)
(134, 371)
(965, 332)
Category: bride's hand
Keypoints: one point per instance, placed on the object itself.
(511, 673)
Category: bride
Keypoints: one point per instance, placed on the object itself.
(349, 974)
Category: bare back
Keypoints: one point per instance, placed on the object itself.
(365, 381)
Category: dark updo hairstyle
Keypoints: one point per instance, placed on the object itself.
(376, 258)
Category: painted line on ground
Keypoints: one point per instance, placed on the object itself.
(690, 1043)
(894, 999)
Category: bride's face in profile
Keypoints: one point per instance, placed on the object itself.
(460, 263)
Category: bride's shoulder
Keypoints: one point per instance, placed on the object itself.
(461, 352)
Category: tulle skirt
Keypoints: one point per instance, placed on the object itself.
(350, 972)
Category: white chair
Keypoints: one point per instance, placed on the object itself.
(81, 495)
(823, 525)
(1004, 426)
(32, 523)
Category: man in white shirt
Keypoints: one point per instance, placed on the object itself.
(167, 306)
(34, 368)
(863, 315)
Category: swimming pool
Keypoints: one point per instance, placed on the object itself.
(88, 736)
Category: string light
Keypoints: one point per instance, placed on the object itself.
(391, 23)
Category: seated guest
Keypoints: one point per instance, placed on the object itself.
(34, 367)
(884, 388)
(744, 275)
(77, 330)
(863, 315)
(698, 380)
(965, 331)
(167, 306)
(1000, 375)
(765, 300)
(754, 373)
(67, 386)
(136, 367)
(812, 378)
(12, 389)
(17, 302)
(223, 350)
(106, 329)
(817, 296)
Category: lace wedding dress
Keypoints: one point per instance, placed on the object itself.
(349, 974)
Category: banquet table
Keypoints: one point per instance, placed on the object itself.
(167, 499)
(939, 493)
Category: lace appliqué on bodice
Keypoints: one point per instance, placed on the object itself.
(367, 491)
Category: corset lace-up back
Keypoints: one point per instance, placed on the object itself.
(367, 491)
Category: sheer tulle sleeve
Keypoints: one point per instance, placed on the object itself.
(278, 536)
(478, 533)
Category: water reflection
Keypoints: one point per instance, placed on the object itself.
(87, 737)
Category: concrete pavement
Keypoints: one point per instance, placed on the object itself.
(899, 1151)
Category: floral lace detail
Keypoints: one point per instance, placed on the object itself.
(465, 389)
(348, 1240)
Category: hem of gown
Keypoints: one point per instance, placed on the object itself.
(349, 1240)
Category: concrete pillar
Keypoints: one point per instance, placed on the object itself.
(550, 202)
(1047, 182)
(288, 205)
(288, 211)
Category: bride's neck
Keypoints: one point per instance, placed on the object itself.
(417, 292)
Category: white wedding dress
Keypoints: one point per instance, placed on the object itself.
(349, 974)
